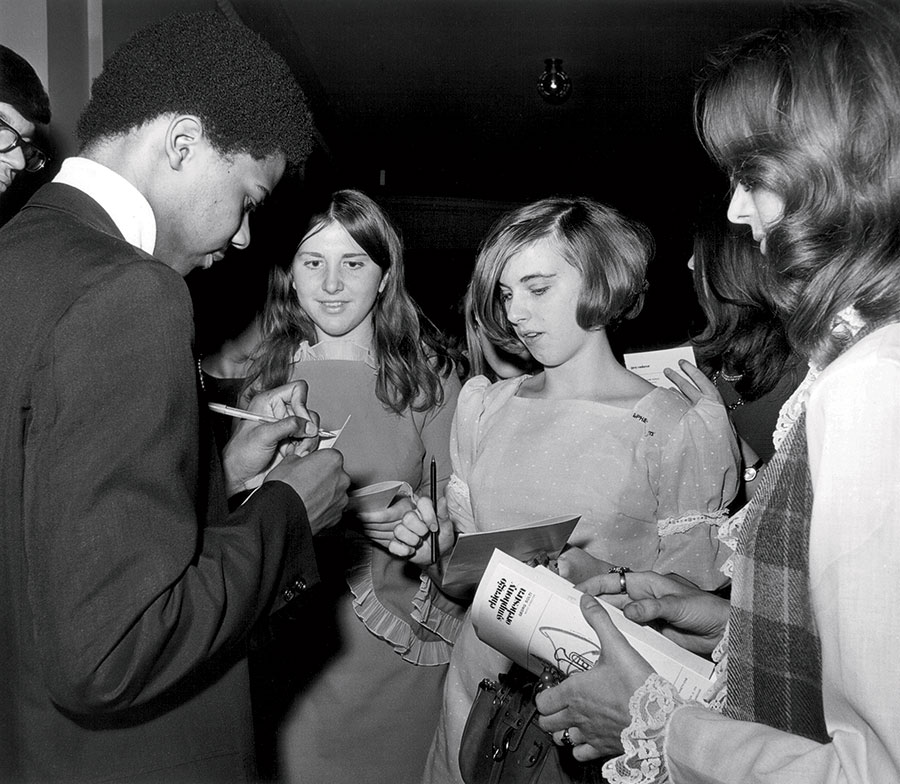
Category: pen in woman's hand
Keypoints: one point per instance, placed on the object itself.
(435, 535)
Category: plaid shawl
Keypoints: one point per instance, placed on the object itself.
(774, 656)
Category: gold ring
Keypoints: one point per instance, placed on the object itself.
(567, 740)
(621, 571)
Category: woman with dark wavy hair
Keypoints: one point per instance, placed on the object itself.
(339, 316)
(743, 346)
(806, 120)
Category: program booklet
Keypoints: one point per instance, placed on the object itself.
(533, 616)
(473, 551)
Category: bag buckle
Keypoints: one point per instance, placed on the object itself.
(503, 749)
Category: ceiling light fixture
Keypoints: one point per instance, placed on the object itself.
(554, 84)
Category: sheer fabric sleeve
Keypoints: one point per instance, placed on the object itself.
(699, 465)
(463, 444)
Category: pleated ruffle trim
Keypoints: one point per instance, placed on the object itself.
(423, 650)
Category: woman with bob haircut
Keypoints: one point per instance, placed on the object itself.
(649, 474)
(486, 359)
(339, 316)
(806, 120)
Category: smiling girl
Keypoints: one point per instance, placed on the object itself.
(339, 317)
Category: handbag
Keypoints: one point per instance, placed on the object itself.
(502, 742)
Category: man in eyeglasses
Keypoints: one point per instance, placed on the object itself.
(23, 105)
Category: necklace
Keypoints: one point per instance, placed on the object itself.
(200, 374)
(730, 379)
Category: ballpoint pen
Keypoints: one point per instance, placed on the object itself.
(240, 413)
(435, 535)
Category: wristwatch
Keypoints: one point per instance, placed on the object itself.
(751, 471)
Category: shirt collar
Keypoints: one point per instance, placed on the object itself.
(124, 203)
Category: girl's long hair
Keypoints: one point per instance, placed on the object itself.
(811, 111)
(408, 349)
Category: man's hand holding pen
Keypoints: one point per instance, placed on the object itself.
(254, 446)
(318, 477)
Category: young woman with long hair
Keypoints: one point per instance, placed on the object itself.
(370, 655)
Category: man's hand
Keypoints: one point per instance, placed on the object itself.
(320, 480)
(256, 446)
(680, 610)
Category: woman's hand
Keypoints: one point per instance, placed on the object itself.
(412, 536)
(687, 615)
(593, 705)
(696, 386)
(379, 526)
(577, 566)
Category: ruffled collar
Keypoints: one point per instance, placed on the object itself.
(334, 349)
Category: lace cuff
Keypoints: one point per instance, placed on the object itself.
(683, 524)
(643, 761)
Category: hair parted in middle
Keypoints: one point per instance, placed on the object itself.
(609, 250)
(811, 112)
(408, 350)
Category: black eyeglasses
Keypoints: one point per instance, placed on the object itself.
(10, 138)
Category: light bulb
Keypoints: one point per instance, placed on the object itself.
(554, 83)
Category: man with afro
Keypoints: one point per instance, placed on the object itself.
(23, 105)
(130, 572)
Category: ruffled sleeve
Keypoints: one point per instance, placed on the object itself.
(698, 475)
(425, 632)
(425, 637)
(463, 444)
(439, 617)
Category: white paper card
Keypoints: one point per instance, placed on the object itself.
(649, 365)
(374, 498)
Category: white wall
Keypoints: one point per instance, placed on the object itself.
(23, 28)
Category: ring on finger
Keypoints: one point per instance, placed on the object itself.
(621, 571)
(567, 739)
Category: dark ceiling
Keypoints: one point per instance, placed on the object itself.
(432, 107)
(440, 95)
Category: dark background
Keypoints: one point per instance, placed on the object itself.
(432, 108)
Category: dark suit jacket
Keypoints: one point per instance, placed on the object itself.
(127, 590)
